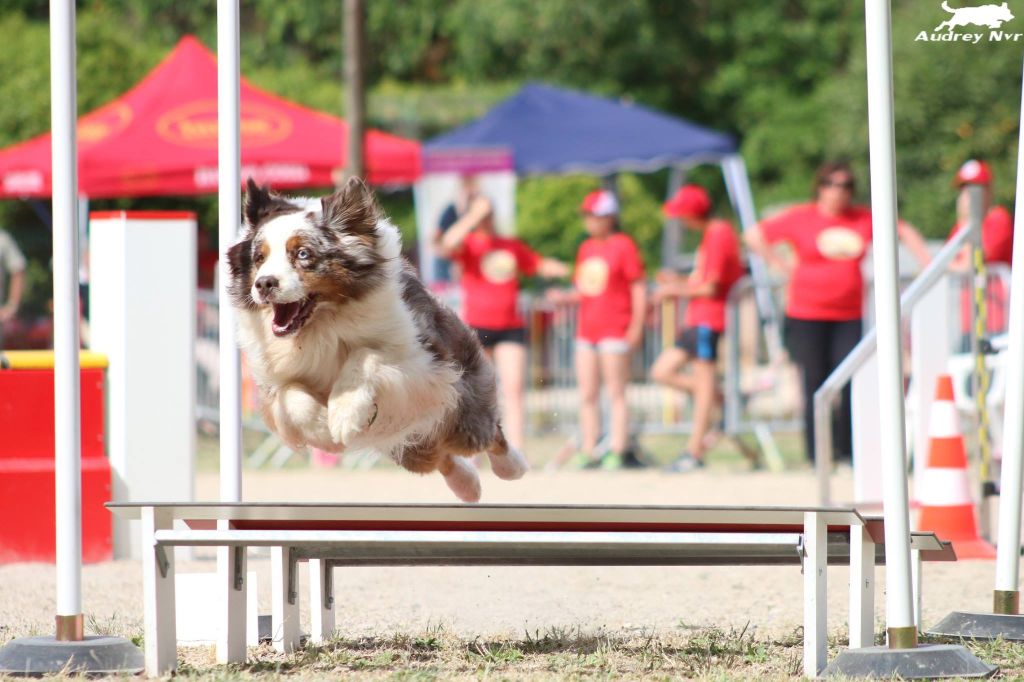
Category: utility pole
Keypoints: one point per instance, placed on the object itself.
(355, 95)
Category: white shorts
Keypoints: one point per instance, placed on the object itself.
(614, 346)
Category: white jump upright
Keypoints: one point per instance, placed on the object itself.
(70, 651)
(231, 562)
(902, 657)
(1006, 596)
(882, 147)
(63, 117)
(1005, 621)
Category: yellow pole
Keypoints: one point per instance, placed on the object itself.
(668, 338)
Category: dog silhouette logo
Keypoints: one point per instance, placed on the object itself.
(992, 16)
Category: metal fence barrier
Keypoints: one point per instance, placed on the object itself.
(757, 398)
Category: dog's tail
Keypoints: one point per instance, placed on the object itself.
(946, 7)
(507, 463)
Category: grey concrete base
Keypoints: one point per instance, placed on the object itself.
(93, 655)
(981, 626)
(926, 661)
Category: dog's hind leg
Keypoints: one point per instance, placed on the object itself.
(459, 472)
(507, 463)
(462, 477)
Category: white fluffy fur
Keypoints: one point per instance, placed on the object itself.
(463, 480)
(509, 467)
(350, 365)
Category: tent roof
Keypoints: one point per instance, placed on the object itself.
(160, 138)
(550, 130)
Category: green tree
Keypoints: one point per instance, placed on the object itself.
(952, 102)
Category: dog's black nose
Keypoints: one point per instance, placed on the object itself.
(266, 284)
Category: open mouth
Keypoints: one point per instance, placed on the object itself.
(289, 317)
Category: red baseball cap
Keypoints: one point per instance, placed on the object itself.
(689, 201)
(974, 172)
(600, 202)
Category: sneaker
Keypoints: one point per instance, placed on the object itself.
(685, 464)
(632, 460)
(582, 460)
(612, 461)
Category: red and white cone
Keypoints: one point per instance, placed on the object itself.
(945, 495)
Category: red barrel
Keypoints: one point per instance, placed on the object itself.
(27, 504)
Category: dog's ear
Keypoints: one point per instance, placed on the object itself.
(240, 264)
(260, 203)
(352, 208)
(240, 258)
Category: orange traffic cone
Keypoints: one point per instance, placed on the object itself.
(946, 505)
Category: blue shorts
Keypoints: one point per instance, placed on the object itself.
(700, 343)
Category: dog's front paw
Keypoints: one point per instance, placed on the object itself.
(351, 414)
(296, 416)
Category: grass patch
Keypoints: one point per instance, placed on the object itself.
(554, 653)
(548, 654)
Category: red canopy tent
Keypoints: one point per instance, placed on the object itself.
(160, 138)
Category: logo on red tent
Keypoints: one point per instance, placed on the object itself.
(195, 125)
(104, 123)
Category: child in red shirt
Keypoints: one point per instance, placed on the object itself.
(611, 292)
(491, 266)
(718, 267)
(996, 246)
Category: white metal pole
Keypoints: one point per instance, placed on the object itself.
(1007, 594)
(229, 188)
(231, 561)
(67, 465)
(882, 147)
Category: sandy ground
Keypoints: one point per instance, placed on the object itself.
(508, 601)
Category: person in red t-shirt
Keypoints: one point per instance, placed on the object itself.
(829, 237)
(611, 292)
(718, 267)
(491, 266)
(996, 244)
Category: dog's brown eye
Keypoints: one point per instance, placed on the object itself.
(257, 257)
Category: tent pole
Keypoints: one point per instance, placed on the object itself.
(737, 183)
(671, 231)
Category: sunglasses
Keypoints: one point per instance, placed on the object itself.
(845, 184)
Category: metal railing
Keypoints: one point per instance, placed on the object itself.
(824, 398)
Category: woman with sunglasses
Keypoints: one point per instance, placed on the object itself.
(829, 238)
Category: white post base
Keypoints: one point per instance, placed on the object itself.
(158, 596)
(815, 605)
(284, 583)
(862, 588)
(321, 600)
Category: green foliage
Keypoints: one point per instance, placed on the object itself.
(787, 78)
(953, 102)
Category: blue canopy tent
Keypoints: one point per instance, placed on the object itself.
(549, 130)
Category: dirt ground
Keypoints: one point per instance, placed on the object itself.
(496, 601)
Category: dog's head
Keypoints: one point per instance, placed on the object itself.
(293, 257)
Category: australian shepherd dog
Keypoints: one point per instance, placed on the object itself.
(350, 351)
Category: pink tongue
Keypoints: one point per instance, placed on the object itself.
(285, 313)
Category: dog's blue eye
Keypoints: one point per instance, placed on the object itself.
(304, 254)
